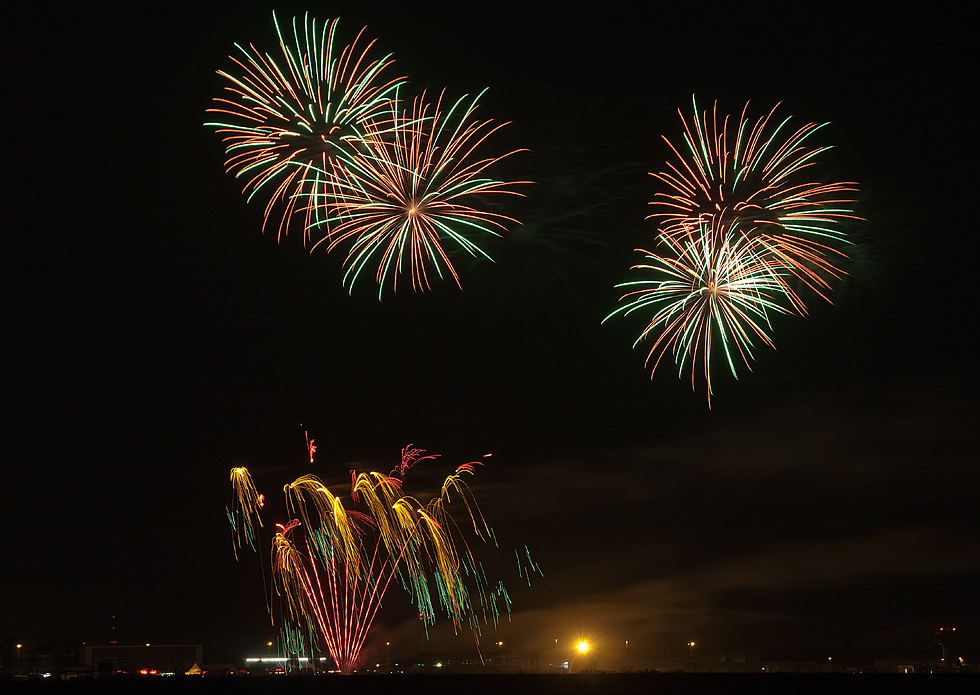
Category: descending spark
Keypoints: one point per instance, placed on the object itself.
(310, 445)
(245, 515)
(532, 566)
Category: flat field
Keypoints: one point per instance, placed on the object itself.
(519, 684)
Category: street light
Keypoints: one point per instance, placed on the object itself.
(18, 654)
(582, 649)
(691, 645)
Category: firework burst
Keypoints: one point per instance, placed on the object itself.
(291, 120)
(754, 176)
(332, 565)
(742, 224)
(709, 287)
(416, 195)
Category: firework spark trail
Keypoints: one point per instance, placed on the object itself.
(344, 617)
(340, 526)
(411, 457)
(310, 444)
(712, 281)
(245, 515)
(289, 575)
(750, 185)
(531, 565)
(342, 629)
(413, 196)
(456, 482)
(291, 120)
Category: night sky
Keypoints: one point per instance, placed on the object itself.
(826, 505)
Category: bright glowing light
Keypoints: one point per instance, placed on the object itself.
(583, 647)
(278, 659)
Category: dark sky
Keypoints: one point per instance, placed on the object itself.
(825, 505)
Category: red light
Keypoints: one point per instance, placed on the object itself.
(143, 671)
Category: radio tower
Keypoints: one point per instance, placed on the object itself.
(947, 638)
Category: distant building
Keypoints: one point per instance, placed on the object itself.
(146, 660)
(700, 664)
(927, 663)
(953, 657)
(908, 663)
(493, 661)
